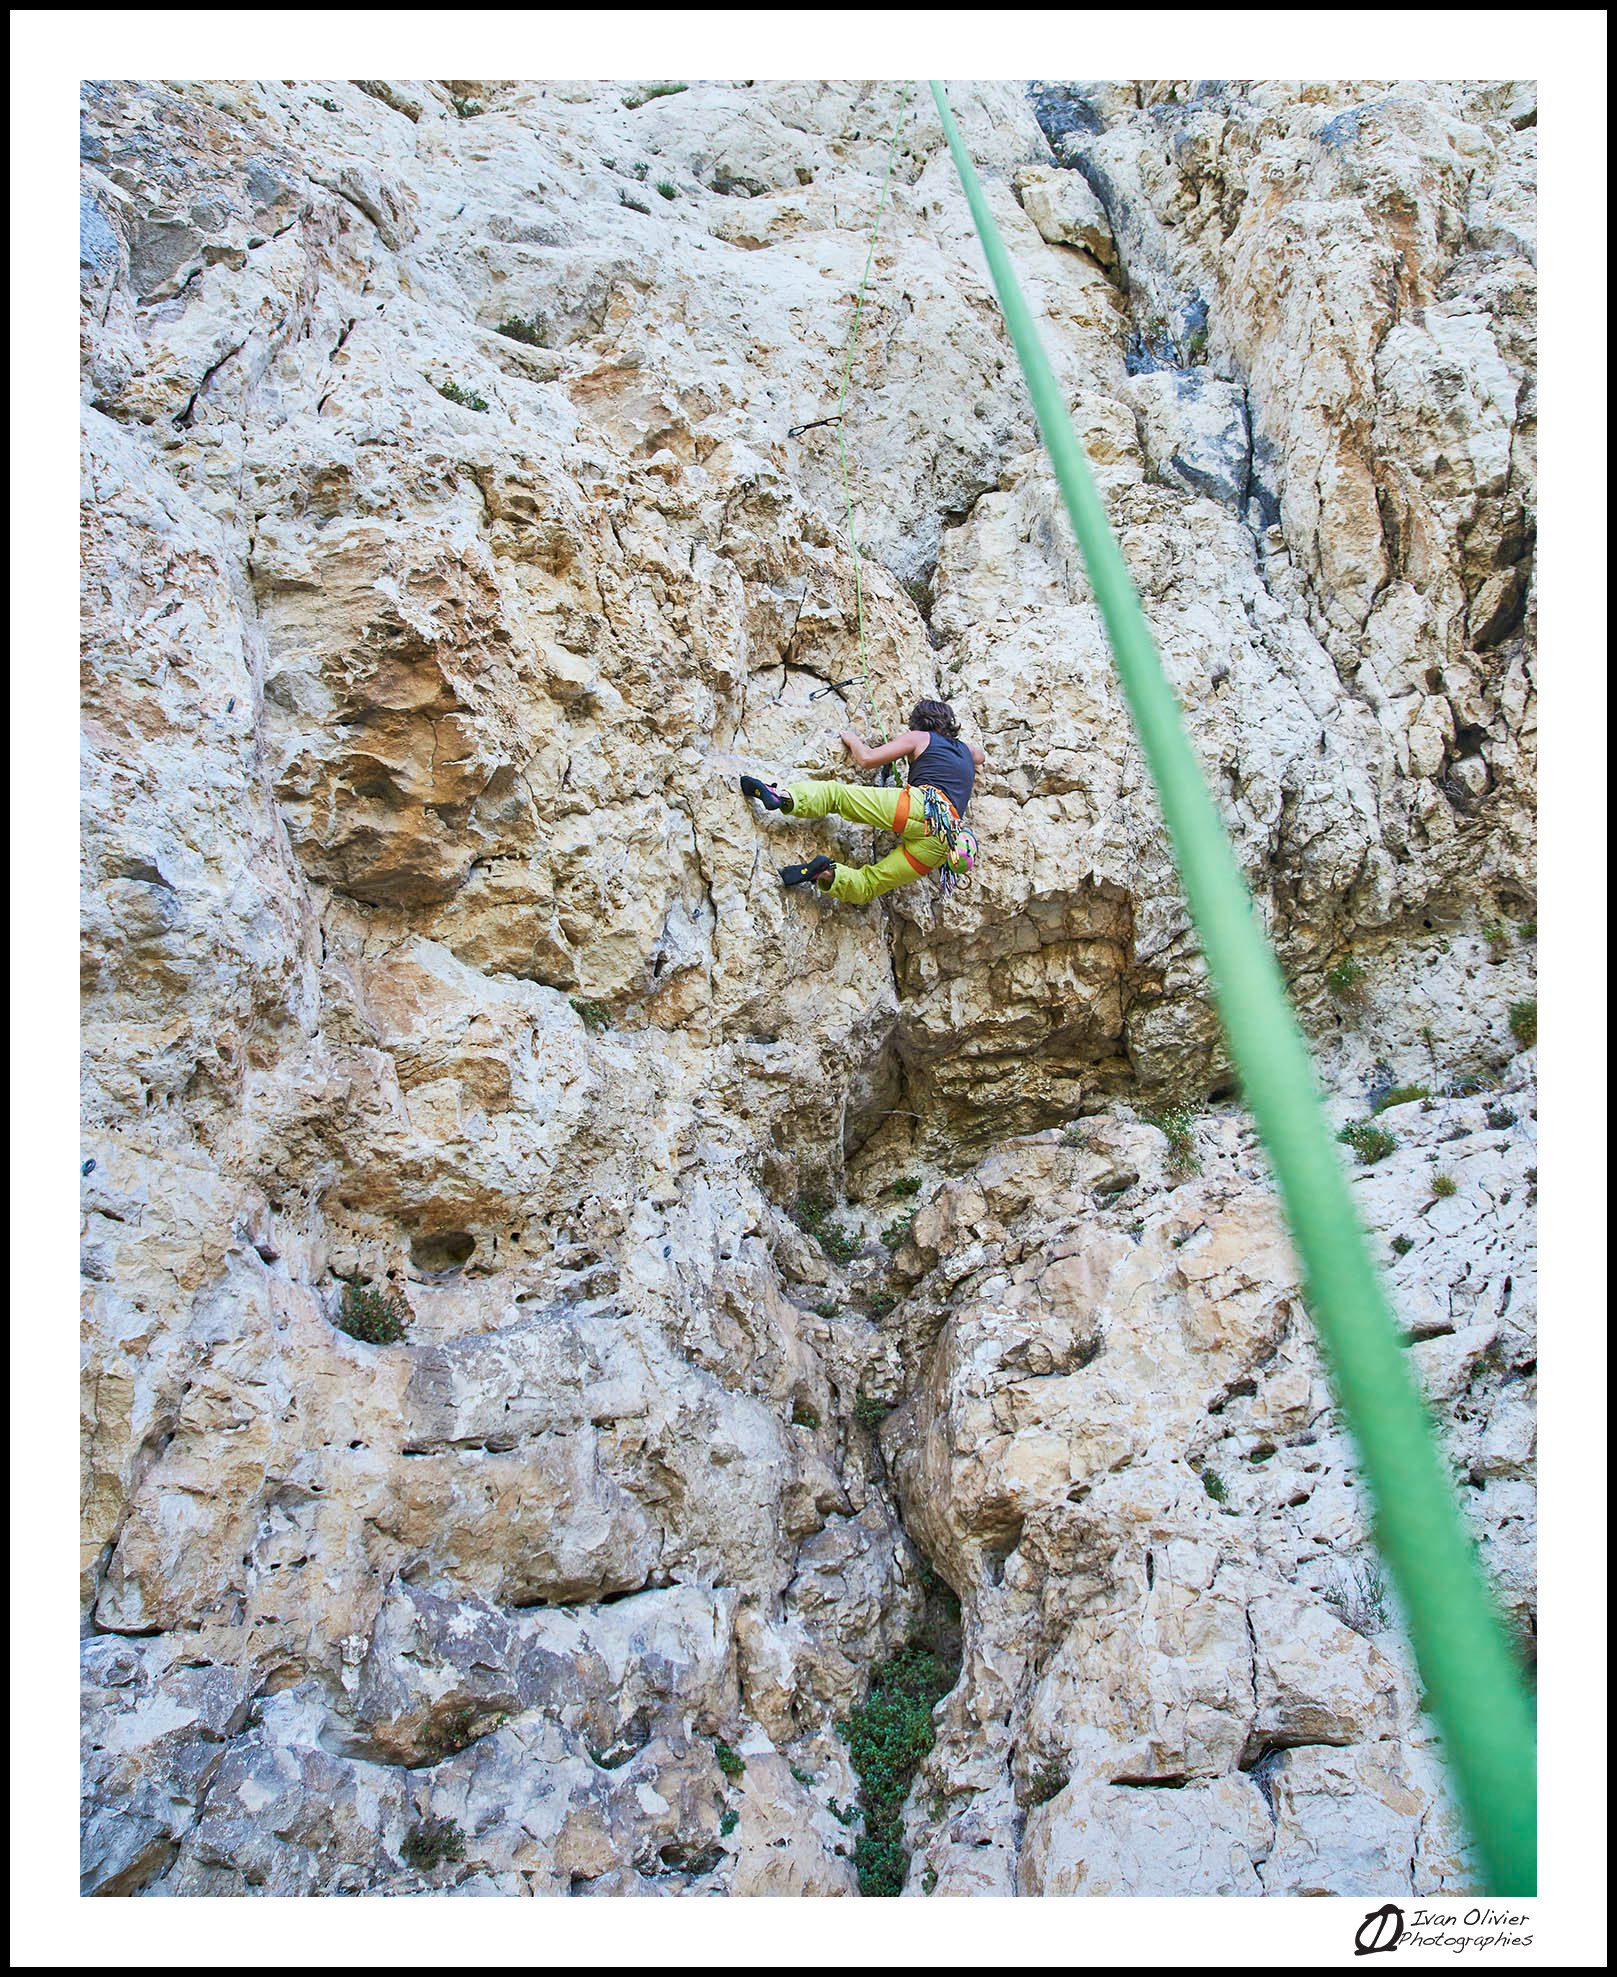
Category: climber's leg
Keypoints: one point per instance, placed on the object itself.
(857, 885)
(856, 801)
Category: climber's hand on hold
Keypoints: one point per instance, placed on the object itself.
(890, 751)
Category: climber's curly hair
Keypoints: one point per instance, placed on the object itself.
(936, 717)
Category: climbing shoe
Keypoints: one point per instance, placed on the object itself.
(801, 875)
(771, 799)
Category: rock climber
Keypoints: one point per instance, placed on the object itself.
(926, 816)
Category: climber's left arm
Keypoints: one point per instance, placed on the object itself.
(889, 751)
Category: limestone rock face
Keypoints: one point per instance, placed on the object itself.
(460, 520)
(1120, 1447)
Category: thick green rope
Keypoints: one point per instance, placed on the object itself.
(842, 406)
(1476, 1693)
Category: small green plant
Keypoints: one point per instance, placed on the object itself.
(1444, 1185)
(430, 1842)
(1402, 1245)
(667, 188)
(897, 1232)
(804, 1416)
(1369, 1143)
(466, 106)
(1346, 978)
(728, 1820)
(1497, 935)
(521, 332)
(1528, 930)
(1196, 345)
(730, 1762)
(870, 1413)
(1175, 1124)
(326, 103)
(1075, 1135)
(844, 1815)
(828, 1309)
(1214, 1486)
(373, 1316)
(809, 1212)
(470, 399)
(1524, 1023)
(803, 1777)
(593, 1015)
(1499, 1117)
(880, 1303)
(929, 1881)
(888, 1737)
(838, 1244)
(1400, 1095)
(908, 1185)
(1360, 1600)
(1044, 1785)
(652, 91)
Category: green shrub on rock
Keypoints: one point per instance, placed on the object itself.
(1370, 1143)
(1176, 1123)
(1400, 1095)
(374, 1317)
(839, 1244)
(470, 399)
(888, 1736)
(430, 1842)
(897, 1232)
(521, 332)
(1346, 978)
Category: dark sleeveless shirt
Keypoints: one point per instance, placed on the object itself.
(946, 765)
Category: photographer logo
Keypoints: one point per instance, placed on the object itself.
(1382, 1929)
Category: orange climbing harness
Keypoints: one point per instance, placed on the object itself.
(901, 818)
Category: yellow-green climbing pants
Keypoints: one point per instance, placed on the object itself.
(915, 855)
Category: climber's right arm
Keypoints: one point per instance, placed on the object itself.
(889, 751)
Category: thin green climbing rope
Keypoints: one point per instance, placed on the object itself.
(1475, 1691)
(842, 406)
